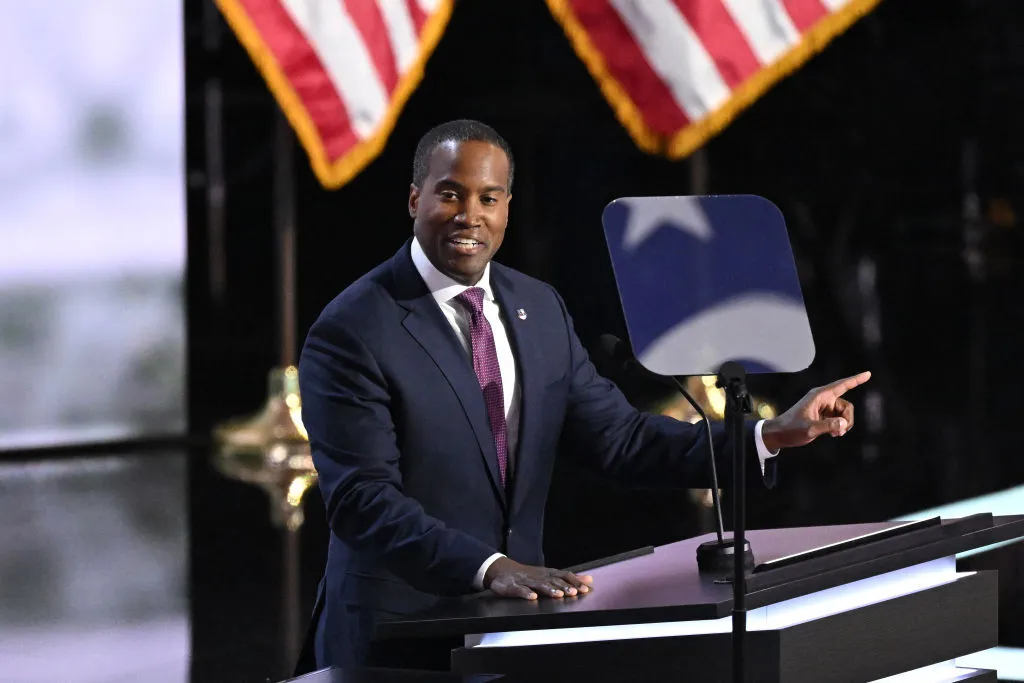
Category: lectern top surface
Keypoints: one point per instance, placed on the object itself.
(374, 675)
(666, 586)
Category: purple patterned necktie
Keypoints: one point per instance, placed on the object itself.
(488, 373)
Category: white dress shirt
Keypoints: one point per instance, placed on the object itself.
(444, 290)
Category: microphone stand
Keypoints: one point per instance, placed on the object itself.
(722, 555)
(717, 556)
(732, 378)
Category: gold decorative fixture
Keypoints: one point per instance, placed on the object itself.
(271, 449)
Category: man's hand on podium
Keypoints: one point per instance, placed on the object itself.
(821, 411)
(510, 579)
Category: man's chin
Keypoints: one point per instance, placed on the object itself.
(465, 273)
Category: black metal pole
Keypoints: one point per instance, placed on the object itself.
(216, 187)
(739, 532)
(284, 230)
(975, 263)
(739, 587)
(699, 172)
(285, 234)
(291, 633)
(732, 378)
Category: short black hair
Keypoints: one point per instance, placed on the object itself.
(460, 130)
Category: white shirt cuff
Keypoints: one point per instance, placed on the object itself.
(478, 580)
(762, 453)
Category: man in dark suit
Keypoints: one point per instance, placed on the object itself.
(437, 390)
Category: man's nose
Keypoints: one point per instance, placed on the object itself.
(470, 215)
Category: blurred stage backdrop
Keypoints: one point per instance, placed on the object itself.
(94, 568)
(144, 356)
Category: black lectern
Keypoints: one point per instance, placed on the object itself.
(859, 602)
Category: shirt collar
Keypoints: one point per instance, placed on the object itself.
(442, 287)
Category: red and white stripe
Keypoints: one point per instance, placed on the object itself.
(342, 69)
(680, 60)
(343, 58)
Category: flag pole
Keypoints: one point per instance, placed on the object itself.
(271, 448)
(284, 230)
(216, 189)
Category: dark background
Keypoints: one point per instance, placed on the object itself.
(889, 154)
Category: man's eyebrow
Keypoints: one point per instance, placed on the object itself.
(445, 182)
(456, 185)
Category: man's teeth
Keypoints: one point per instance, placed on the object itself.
(471, 243)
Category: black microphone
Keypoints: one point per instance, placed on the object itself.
(712, 556)
(623, 360)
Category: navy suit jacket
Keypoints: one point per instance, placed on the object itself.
(407, 466)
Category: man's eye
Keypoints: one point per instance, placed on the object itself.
(489, 200)
(448, 195)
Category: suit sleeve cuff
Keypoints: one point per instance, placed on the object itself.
(478, 580)
(763, 454)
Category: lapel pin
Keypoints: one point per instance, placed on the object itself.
(521, 312)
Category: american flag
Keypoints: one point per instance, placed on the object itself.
(676, 72)
(340, 69)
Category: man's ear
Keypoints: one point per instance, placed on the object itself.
(414, 199)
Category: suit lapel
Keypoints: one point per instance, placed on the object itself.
(432, 331)
(529, 361)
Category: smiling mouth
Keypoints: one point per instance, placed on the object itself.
(465, 245)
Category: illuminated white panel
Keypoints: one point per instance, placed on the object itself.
(799, 610)
(1007, 502)
(1008, 662)
(858, 594)
(595, 633)
(943, 672)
